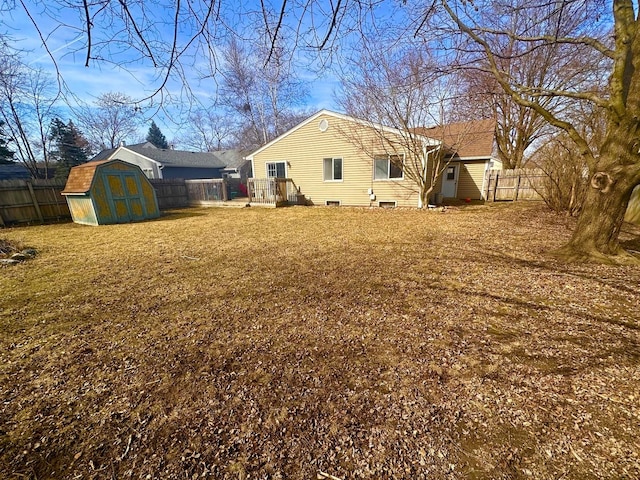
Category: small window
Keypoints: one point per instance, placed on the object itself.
(332, 169)
(388, 167)
(451, 173)
(387, 204)
(332, 203)
(276, 170)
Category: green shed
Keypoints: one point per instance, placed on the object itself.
(110, 191)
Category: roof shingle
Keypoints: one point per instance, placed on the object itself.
(467, 139)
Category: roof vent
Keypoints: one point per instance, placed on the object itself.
(323, 125)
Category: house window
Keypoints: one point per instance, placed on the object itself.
(277, 169)
(387, 204)
(332, 169)
(451, 173)
(388, 167)
(332, 203)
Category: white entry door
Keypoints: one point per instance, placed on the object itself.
(450, 180)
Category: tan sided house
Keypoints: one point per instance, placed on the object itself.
(335, 159)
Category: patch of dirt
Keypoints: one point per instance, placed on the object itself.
(363, 343)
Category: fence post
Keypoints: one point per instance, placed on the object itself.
(495, 186)
(224, 190)
(35, 201)
(2, 224)
(517, 188)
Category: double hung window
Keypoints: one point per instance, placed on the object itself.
(332, 169)
(388, 167)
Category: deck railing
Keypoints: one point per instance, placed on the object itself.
(272, 191)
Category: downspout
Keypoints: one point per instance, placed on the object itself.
(424, 162)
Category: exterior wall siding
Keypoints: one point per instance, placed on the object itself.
(471, 179)
(189, 173)
(145, 164)
(305, 149)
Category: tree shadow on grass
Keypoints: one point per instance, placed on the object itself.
(177, 215)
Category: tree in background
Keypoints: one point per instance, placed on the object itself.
(70, 148)
(261, 90)
(156, 137)
(6, 155)
(209, 131)
(27, 102)
(113, 119)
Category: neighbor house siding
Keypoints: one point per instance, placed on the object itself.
(305, 149)
(146, 165)
(191, 173)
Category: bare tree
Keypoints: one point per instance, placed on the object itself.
(114, 118)
(27, 98)
(404, 88)
(614, 163)
(208, 130)
(264, 96)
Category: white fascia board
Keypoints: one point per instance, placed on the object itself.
(342, 116)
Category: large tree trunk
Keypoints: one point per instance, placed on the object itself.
(596, 234)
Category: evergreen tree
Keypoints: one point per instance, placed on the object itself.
(156, 137)
(70, 147)
(6, 155)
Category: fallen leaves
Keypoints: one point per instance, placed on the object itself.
(351, 343)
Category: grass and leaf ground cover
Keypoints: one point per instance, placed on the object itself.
(281, 343)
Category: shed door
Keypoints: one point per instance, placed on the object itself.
(126, 195)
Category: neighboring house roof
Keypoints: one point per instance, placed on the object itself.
(14, 171)
(178, 158)
(81, 176)
(427, 138)
(467, 139)
(231, 158)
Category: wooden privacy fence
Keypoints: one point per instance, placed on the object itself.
(23, 201)
(171, 193)
(514, 185)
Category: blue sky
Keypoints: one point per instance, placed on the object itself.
(66, 42)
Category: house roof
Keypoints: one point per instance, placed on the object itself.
(81, 176)
(14, 171)
(427, 139)
(179, 158)
(231, 158)
(467, 139)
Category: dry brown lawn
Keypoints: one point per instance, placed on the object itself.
(272, 344)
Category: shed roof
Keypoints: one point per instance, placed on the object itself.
(467, 139)
(81, 176)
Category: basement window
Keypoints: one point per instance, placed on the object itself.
(388, 204)
(332, 203)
